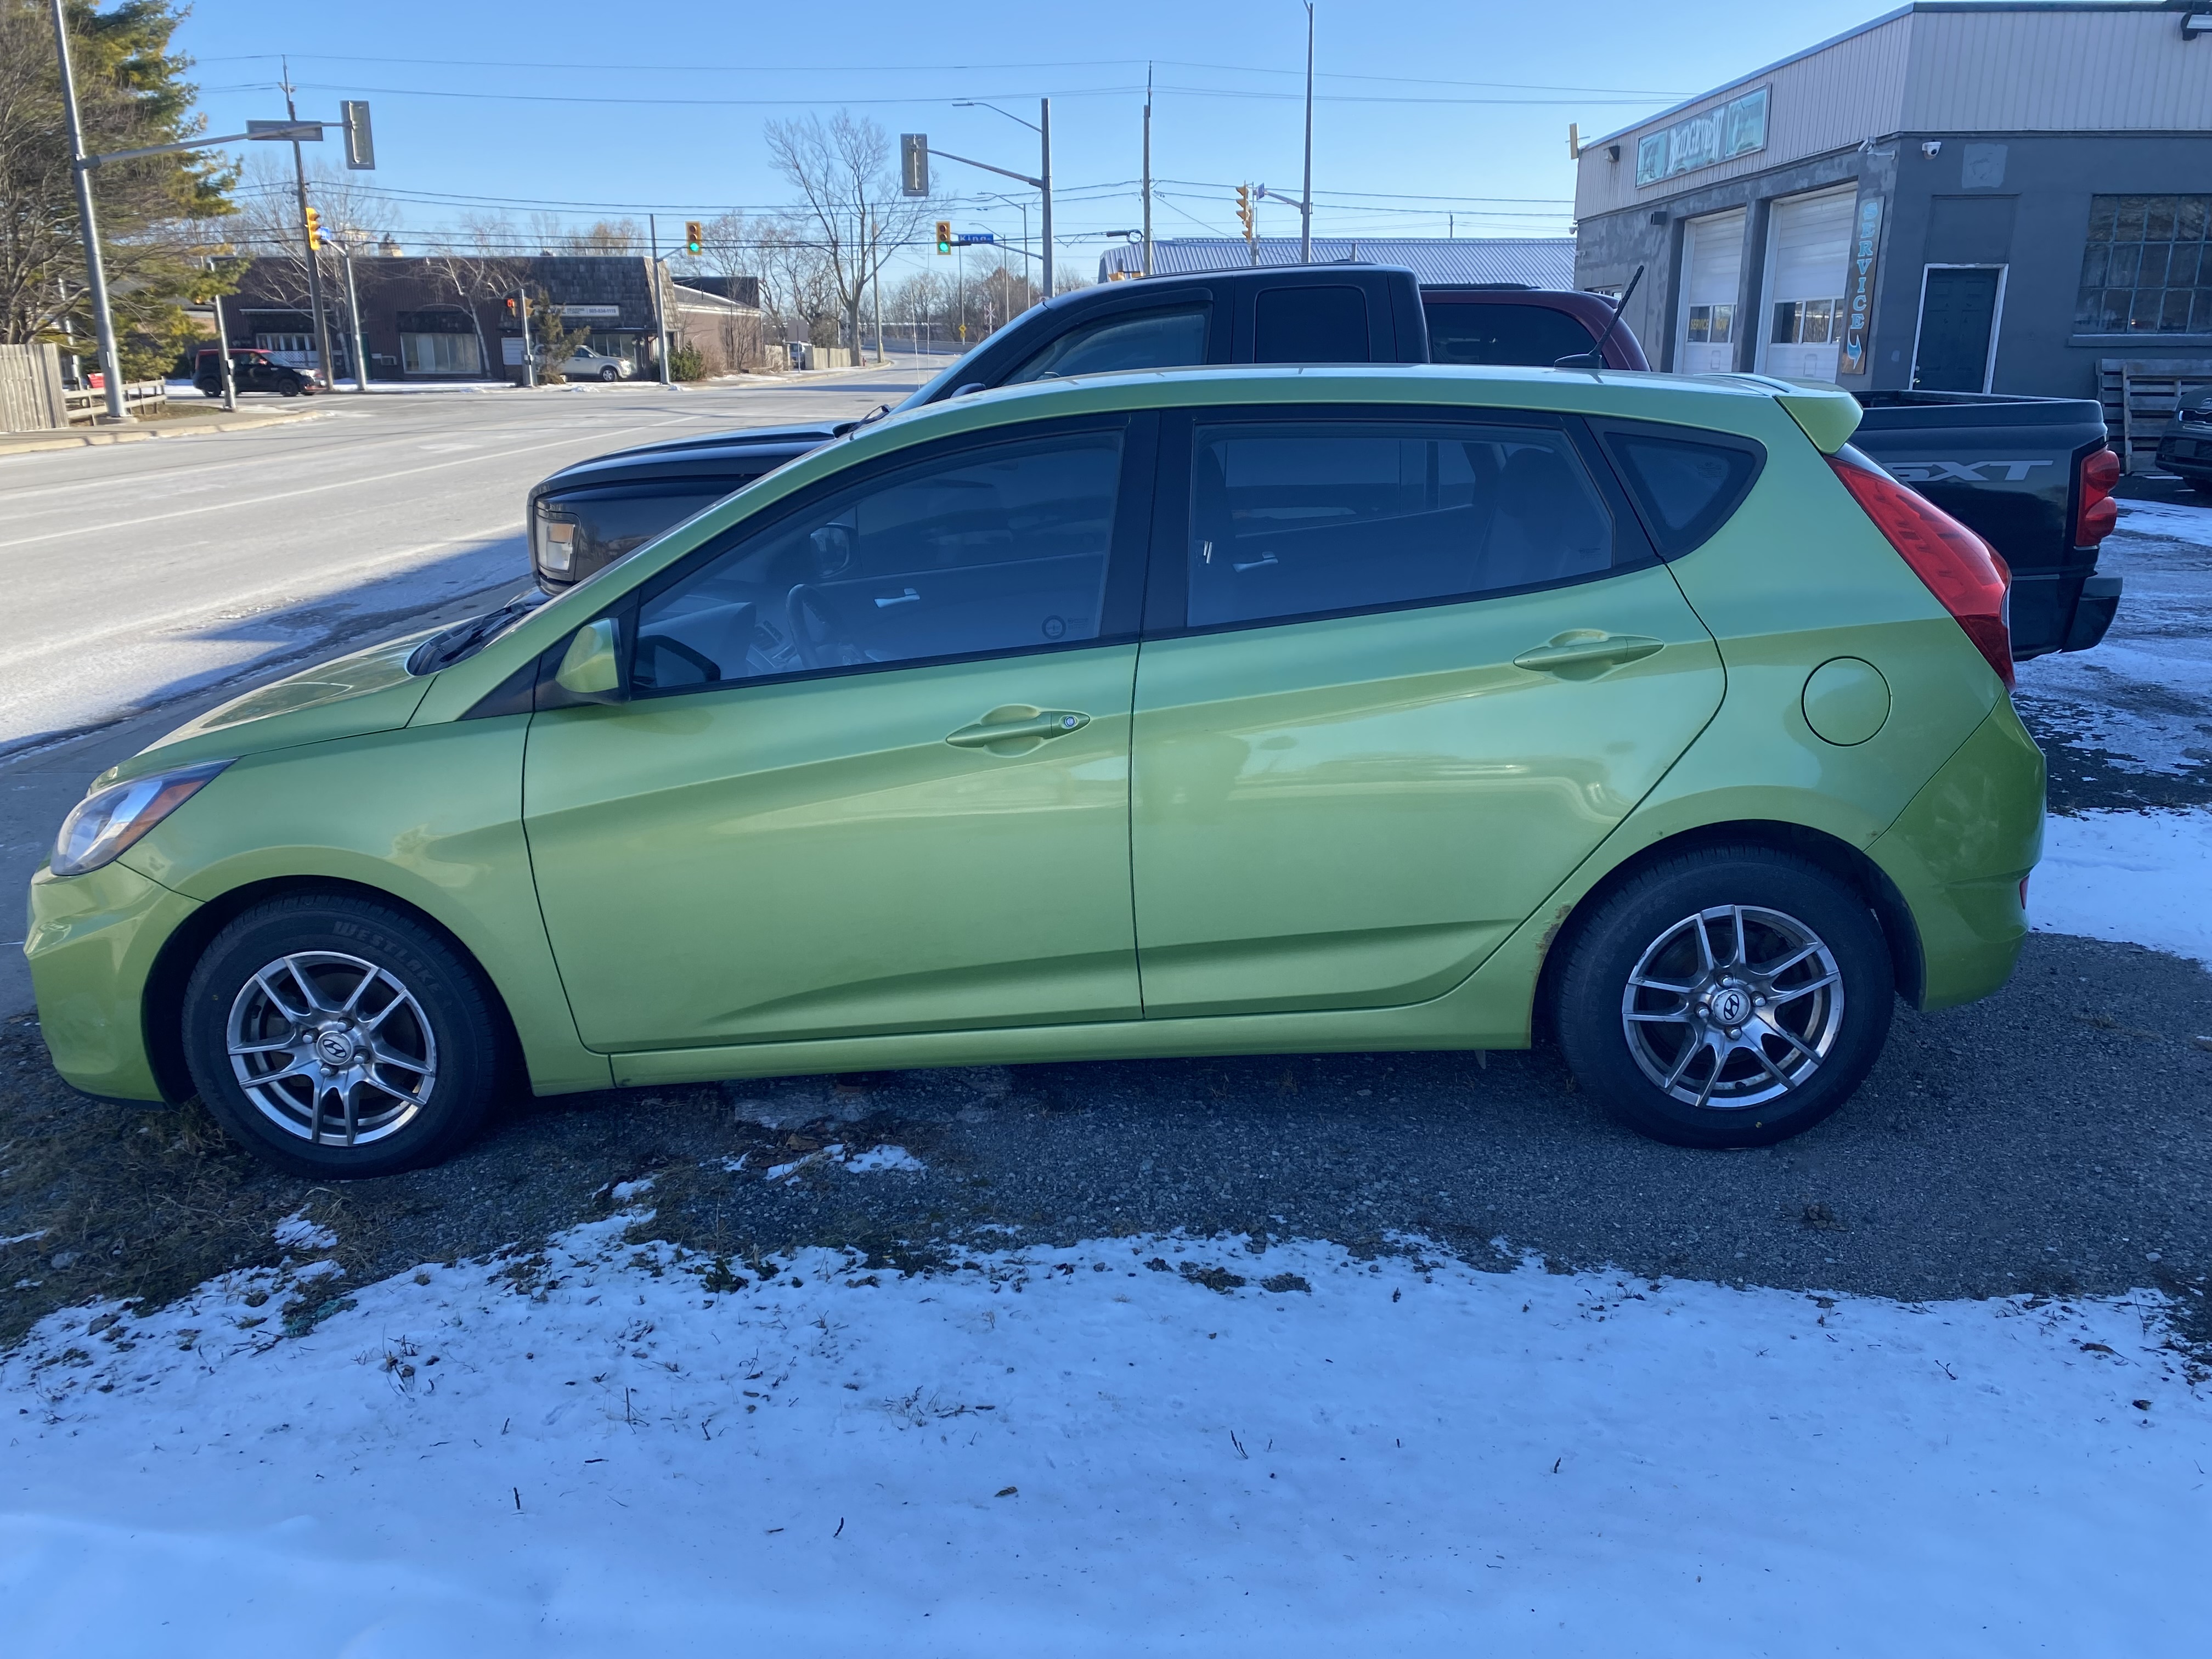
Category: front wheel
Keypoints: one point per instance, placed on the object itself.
(290, 388)
(608, 374)
(337, 1037)
(1733, 997)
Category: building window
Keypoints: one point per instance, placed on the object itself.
(1807, 322)
(439, 353)
(298, 343)
(2148, 268)
(1712, 325)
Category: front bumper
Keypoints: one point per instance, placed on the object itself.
(92, 944)
(1960, 854)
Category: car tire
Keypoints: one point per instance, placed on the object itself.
(1724, 1046)
(317, 1014)
(608, 374)
(290, 388)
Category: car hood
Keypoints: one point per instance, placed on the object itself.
(368, 691)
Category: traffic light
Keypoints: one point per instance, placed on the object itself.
(509, 303)
(1244, 212)
(694, 238)
(945, 235)
(314, 231)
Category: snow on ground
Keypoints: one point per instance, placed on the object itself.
(2144, 694)
(1136, 1445)
(2144, 878)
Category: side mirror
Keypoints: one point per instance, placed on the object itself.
(591, 668)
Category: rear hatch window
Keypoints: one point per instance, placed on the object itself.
(1479, 332)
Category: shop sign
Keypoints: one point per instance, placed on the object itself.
(1706, 139)
(591, 310)
(1858, 317)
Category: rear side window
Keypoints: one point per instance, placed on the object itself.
(1295, 518)
(1149, 339)
(1460, 332)
(1310, 325)
(1685, 489)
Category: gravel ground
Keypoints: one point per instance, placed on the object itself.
(2055, 1138)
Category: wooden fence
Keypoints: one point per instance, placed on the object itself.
(30, 395)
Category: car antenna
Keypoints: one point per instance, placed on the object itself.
(1595, 357)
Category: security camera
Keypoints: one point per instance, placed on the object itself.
(1932, 148)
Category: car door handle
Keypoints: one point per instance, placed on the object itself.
(1586, 647)
(1017, 728)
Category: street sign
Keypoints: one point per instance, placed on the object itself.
(914, 164)
(359, 146)
(304, 132)
(968, 238)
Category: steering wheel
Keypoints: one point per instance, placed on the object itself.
(812, 622)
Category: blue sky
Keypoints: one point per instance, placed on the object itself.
(1426, 108)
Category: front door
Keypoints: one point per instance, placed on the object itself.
(1958, 319)
(874, 776)
(1422, 668)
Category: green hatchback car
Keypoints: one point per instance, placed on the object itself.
(1202, 712)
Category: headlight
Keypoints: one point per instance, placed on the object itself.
(102, 826)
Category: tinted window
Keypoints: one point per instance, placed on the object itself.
(1310, 325)
(988, 550)
(1486, 333)
(1685, 488)
(1150, 339)
(1293, 518)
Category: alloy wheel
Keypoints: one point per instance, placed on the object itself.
(1733, 1006)
(332, 1049)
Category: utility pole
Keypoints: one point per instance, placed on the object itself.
(353, 310)
(1305, 204)
(95, 269)
(529, 350)
(223, 345)
(875, 254)
(1044, 171)
(307, 242)
(660, 311)
(1148, 169)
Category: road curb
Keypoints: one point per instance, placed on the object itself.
(27, 443)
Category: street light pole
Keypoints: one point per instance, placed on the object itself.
(1148, 169)
(95, 269)
(353, 309)
(1044, 232)
(307, 242)
(1305, 204)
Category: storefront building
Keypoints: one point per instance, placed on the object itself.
(1958, 197)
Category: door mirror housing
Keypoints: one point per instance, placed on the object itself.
(590, 668)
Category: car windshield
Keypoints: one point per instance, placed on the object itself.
(942, 382)
(463, 640)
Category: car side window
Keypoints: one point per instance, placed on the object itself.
(1686, 488)
(1295, 518)
(1326, 325)
(991, 549)
(1174, 339)
(1478, 332)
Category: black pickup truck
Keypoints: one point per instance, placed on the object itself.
(585, 516)
(2033, 476)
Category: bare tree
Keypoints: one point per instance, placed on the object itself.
(849, 200)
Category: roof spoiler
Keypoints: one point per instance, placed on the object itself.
(1828, 414)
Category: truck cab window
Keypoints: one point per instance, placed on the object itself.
(1148, 339)
(1486, 333)
(1311, 326)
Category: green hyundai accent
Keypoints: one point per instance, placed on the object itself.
(1198, 712)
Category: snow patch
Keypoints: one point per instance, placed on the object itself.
(1056, 1450)
(2141, 878)
(296, 1232)
(886, 1157)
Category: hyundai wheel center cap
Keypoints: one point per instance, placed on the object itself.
(336, 1048)
(1731, 1006)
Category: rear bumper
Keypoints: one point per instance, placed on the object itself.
(2061, 610)
(1959, 854)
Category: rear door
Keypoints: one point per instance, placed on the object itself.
(1402, 672)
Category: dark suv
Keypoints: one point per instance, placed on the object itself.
(253, 371)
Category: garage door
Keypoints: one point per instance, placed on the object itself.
(1712, 271)
(1809, 258)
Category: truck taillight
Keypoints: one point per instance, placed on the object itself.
(1961, 570)
(2098, 512)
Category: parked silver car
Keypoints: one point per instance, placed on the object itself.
(585, 364)
(2185, 448)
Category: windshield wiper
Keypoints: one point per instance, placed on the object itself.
(464, 639)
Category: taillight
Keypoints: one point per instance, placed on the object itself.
(1961, 570)
(2098, 512)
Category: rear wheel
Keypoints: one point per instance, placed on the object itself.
(1733, 997)
(337, 1037)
